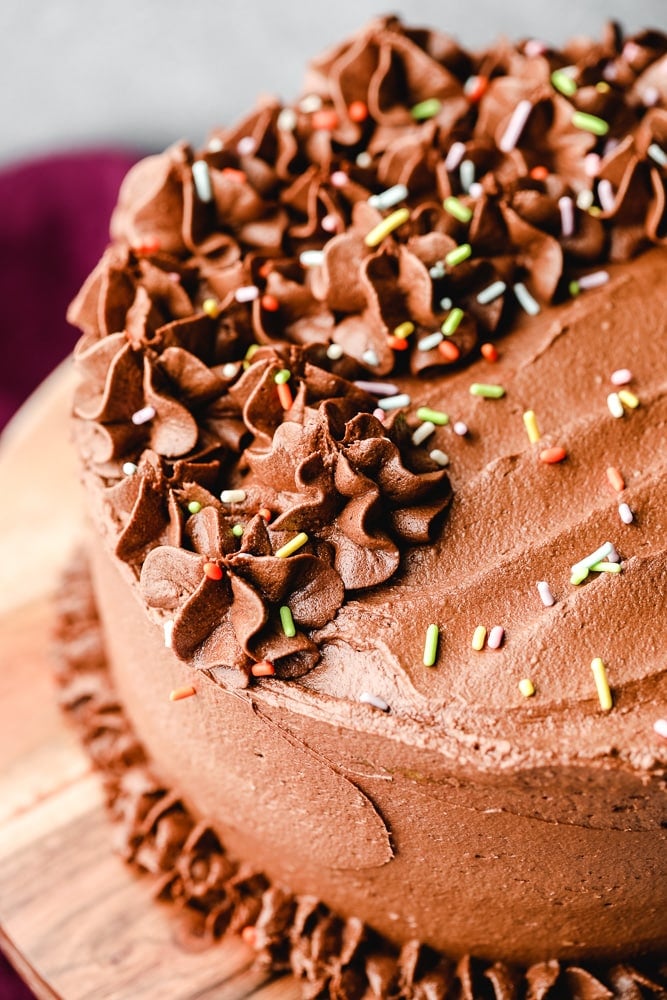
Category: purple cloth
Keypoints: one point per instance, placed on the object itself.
(55, 222)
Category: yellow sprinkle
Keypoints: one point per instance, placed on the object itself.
(526, 687)
(252, 350)
(291, 546)
(387, 226)
(479, 638)
(211, 307)
(602, 684)
(404, 330)
(530, 423)
(628, 399)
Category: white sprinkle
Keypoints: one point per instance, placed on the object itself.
(215, 145)
(566, 209)
(613, 555)
(394, 402)
(454, 156)
(515, 126)
(660, 727)
(233, 496)
(495, 637)
(334, 352)
(606, 195)
(491, 292)
(168, 632)
(311, 258)
(621, 376)
(246, 146)
(310, 103)
(585, 199)
(202, 180)
(339, 178)
(598, 556)
(329, 223)
(286, 120)
(247, 293)
(650, 97)
(230, 369)
(129, 468)
(374, 700)
(547, 597)
(591, 164)
(593, 280)
(475, 190)
(467, 174)
(460, 428)
(364, 159)
(423, 432)
(437, 271)
(446, 303)
(370, 358)
(657, 154)
(430, 342)
(625, 514)
(525, 299)
(387, 199)
(630, 51)
(615, 405)
(378, 388)
(439, 457)
(144, 415)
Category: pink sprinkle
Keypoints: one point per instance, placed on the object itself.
(460, 428)
(174, 276)
(650, 97)
(246, 146)
(544, 590)
(591, 164)
(566, 208)
(379, 414)
(610, 72)
(454, 156)
(515, 126)
(329, 223)
(613, 556)
(621, 376)
(660, 727)
(143, 416)
(495, 637)
(339, 178)
(606, 195)
(534, 47)
(378, 388)
(630, 51)
(594, 279)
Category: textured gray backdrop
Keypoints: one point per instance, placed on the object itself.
(144, 72)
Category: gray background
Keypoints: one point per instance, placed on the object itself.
(142, 73)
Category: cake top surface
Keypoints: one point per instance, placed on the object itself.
(297, 329)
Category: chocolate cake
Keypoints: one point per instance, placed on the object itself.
(372, 424)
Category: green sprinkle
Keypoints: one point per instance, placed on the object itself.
(431, 645)
(237, 530)
(283, 376)
(487, 391)
(287, 621)
(251, 350)
(456, 208)
(590, 123)
(194, 506)
(435, 416)
(452, 322)
(458, 255)
(606, 567)
(578, 575)
(426, 109)
(291, 547)
(563, 82)
(574, 288)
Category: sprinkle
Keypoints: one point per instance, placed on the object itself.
(212, 571)
(396, 402)
(329, 223)
(525, 299)
(478, 638)
(246, 146)
(434, 416)
(460, 428)
(628, 399)
(310, 103)
(374, 700)
(625, 513)
(364, 159)
(613, 555)
(446, 303)
(264, 668)
(387, 226)
(292, 546)
(515, 126)
(194, 507)
(602, 87)
(389, 198)
(491, 293)
(467, 174)
(334, 352)
(284, 395)
(269, 302)
(650, 97)
(247, 293)
(265, 514)
(496, 636)
(311, 258)
(456, 208)
(339, 178)
(357, 111)
(252, 350)
(437, 271)
(487, 391)
(287, 621)
(370, 357)
(168, 628)
(215, 145)
(233, 496)
(423, 432)
(377, 388)
(211, 307)
(454, 156)
(615, 478)
(431, 645)
(621, 376)
(585, 199)
(324, 120)
(600, 553)
(202, 180)
(234, 175)
(475, 87)
(179, 694)
(660, 727)
(544, 590)
(530, 423)
(594, 279)
(615, 405)
(287, 120)
(551, 456)
(143, 415)
(526, 687)
(458, 255)
(249, 935)
(379, 414)
(237, 531)
(448, 350)
(657, 154)
(574, 289)
(230, 369)
(439, 457)
(534, 47)
(398, 343)
(562, 80)
(602, 684)
(489, 352)
(606, 567)
(426, 109)
(589, 123)
(452, 322)
(566, 209)
(578, 576)
(475, 190)
(129, 468)
(606, 195)
(282, 376)
(404, 329)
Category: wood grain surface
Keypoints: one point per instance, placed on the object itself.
(74, 919)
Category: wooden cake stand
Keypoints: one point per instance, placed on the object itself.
(74, 919)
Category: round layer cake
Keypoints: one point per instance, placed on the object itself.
(372, 422)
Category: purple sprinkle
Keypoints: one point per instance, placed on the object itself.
(454, 156)
(594, 279)
(566, 208)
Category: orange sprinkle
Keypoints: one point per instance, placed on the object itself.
(477, 91)
(398, 343)
(270, 303)
(550, 456)
(284, 395)
(539, 173)
(489, 351)
(358, 111)
(150, 244)
(234, 174)
(212, 571)
(325, 118)
(263, 669)
(264, 270)
(616, 480)
(249, 935)
(178, 694)
(448, 350)
(265, 513)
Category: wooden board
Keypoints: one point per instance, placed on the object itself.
(74, 919)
